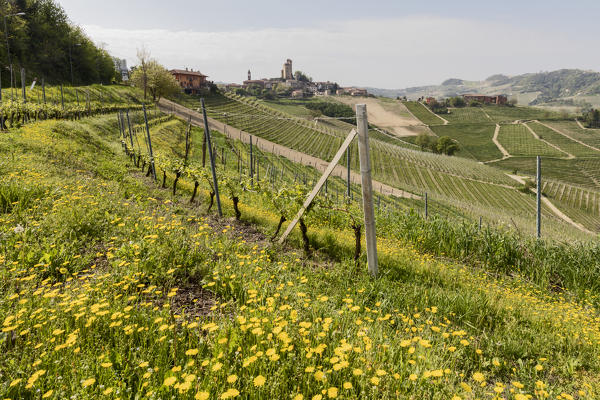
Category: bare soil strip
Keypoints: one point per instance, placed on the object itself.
(505, 153)
(267, 146)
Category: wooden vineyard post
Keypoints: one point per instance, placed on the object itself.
(426, 206)
(187, 140)
(251, 164)
(23, 84)
(149, 143)
(212, 159)
(44, 90)
(62, 97)
(129, 129)
(539, 197)
(319, 184)
(367, 187)
(348, 172)
(480, 223)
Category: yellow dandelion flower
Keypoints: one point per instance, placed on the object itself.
(317, 397)
(47, 394)
(169, 381)
(259, 381)
(106, 365)
(15, 382)
(518, 384)
(88, 382)
(319, 375)
(202, 396)
(478, 377)
(374, 380)
(230, 393)
(539, 367)
(191, 352)
(216, 367)
(357, 371)
(412, 377)
(108, 391)
(232, 378)
(299, 396)
(380, 372)
(332, 392)
(347, 385)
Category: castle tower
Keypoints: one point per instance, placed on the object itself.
(286, 72)
(249, 75)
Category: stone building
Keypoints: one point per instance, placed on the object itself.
(287, 72)
(192, 82)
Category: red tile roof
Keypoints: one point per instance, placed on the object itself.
(184, 72)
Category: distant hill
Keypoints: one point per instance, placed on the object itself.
(565, 87)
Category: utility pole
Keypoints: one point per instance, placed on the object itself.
(367, 187)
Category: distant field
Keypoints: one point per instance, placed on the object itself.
(583, 172)
(518, 141)
(587, 136)
(467, 115)
(419, 111)
(577, 149)
(509, 114)
(475, 140)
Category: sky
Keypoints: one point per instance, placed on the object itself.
(379, 43)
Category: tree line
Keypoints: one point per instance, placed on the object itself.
(42, 40)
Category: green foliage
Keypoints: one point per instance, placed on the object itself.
(331, 109)
(40, 41)
(446, 145)
(591, 118)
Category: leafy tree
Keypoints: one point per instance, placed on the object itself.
(591, 118)
(457, 102)
(423, 141)
(302, 77)
(154, 78)
(446, 145)
(40, 41)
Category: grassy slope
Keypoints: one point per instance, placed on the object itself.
(90, 297)
(475, 140)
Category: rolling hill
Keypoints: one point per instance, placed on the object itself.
(561, 88)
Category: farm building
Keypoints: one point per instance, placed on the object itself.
(498, 99)
(192, 82)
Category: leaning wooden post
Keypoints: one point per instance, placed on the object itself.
(212, 158)
(44, 90)
(539, 197)
(251, 164)
(367, 187)
(426, 206)
(149, 143)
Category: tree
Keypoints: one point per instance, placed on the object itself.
(446, 145)
(423, 141)
(140, 76)
(457, 102)
(302, 77)
(154, 78)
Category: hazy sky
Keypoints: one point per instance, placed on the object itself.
(389, 44)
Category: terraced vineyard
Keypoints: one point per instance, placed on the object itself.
(475, 140)
(420, 112)
(467, 115)
(590, 137)
(566, 144)
(519, 141)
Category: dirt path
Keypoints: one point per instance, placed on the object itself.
(552, 207)
(505, 153)
(568, 136)
(580, 124)
(394, 122)
(535, 135)
(170, 107)
(446, 122)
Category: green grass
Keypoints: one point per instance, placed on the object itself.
(519, 141)
(90, 305)
(421, 113)
(475, 140)
(467, 115)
